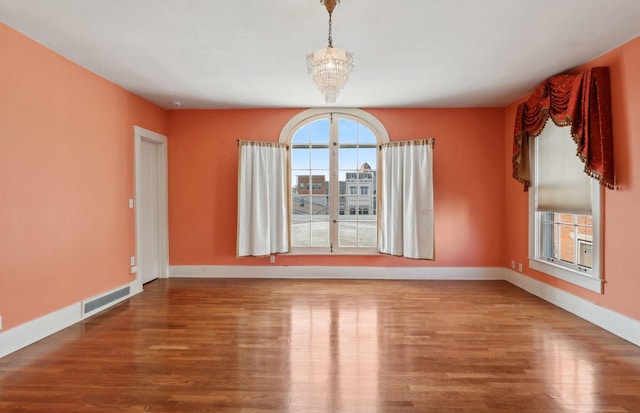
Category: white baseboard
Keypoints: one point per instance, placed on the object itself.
(625, 327)
(35, 330)
(379, 273)
(28, 333)
(616, 323)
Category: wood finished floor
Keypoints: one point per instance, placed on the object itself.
(194, 345)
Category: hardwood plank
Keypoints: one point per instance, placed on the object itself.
(198, 345)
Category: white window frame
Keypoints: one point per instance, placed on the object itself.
(592, 280)
(381, 135)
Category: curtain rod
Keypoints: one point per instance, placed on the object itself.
(431, 141)
(263, 143)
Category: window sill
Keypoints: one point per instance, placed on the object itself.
(565, 274)
(327, 253)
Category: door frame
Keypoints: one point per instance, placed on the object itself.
(141, 134)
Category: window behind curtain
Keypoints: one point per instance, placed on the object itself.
(565, 211)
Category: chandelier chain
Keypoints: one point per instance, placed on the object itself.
(330, 31)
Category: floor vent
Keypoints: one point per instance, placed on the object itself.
(92, 305)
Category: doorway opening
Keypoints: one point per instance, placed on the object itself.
(152, 228)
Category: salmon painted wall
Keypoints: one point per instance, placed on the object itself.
(621, 224)
(468, 183)
(66, 168)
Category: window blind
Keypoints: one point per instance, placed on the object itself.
(561, 183)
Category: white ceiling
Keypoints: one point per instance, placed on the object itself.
(251, 53)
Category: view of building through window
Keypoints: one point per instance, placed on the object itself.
(334, 185)
(568, 238)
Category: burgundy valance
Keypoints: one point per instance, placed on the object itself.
(582, 100)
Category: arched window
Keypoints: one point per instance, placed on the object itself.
(336, 145)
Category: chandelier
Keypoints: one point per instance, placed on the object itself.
(330, 66)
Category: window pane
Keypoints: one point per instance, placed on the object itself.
(299, 180)
(302, 135)
(566, 239)
(300, 158)
(548, 243)
(322, 177)
(320, 233)
(320, 158)
(348, 158)
(320, 131)
(366, 136)
(320, 210)
(348, 229)
(367, 230)
(566, 246)
(300, 233)
(369, 156)
(348, 130)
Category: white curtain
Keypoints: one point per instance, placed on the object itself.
(406, 199)
(262, 199)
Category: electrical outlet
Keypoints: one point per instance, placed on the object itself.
(132, 261)
(513, 264)
(131, 203)
(272, 259)
(133, 269)
(520, 266)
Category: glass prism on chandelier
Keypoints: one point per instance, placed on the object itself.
(330, 66)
